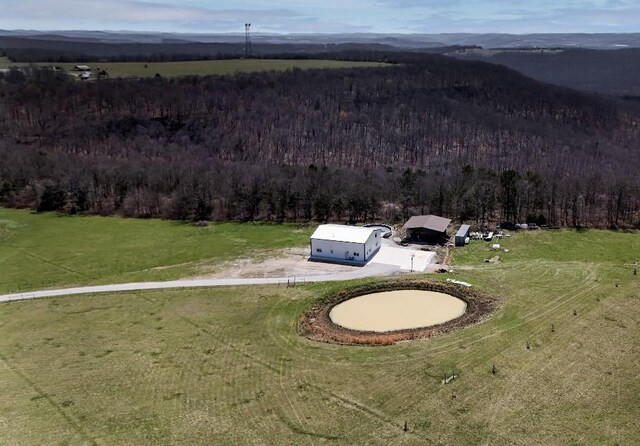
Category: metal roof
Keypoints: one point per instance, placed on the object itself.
(463, 231)
(433, 222)
(343, 233)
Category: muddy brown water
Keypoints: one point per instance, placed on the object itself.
(397, 310)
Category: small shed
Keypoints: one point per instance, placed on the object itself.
(342, 243)
(427, 228)
(462, 235)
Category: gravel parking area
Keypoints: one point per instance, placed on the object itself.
(400, 257)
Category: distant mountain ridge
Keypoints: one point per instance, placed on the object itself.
(597, 63)
(407, 41)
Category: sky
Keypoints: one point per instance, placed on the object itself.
(325, 16)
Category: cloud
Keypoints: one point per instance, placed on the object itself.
(127, 11)
(520, 17)
(539, 5)
(525, 21)
(136, 14)
(326, 16)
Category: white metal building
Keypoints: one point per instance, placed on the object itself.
(342, 243)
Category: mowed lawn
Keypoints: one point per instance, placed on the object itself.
(226, 365)
(205, 67)
(47, 250)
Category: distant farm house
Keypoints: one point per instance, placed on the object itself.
(427, 228)
(341, 243)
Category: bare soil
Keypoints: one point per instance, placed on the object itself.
(283, 263)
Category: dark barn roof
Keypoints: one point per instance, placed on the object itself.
(431, 222)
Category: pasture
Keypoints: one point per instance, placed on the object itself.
(227, 366)
(204, 67)
(49, 250)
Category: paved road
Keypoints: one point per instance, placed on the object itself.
(371, 270)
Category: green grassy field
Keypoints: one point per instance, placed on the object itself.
(47, 250)
(226, 365)
(204, 67)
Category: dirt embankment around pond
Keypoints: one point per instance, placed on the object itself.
(317, 324)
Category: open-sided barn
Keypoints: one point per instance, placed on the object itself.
(427, 228)
(341, 243)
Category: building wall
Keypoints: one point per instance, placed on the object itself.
(333, 250)
(373, 244)
(353, 252)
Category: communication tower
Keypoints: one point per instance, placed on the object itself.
(247, 39)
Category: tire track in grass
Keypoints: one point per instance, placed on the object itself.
(540, 311)
(566, 367)
(586, 290)
(492, 352)
(254, 360)
(558, 303)
(304, 429)
(287, 338)
(226, 371)
(8, 256)
(480, 390)
(567, 303)
(42, 394)
(348, 401)
(284, 340)
(57, 265)
(563, 300)
(472, 339)
(344, 400)
(253, 390)
(290, 345)
(580, 295)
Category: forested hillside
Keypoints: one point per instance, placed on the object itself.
(610, 72)
(26, 50)
(470, 140)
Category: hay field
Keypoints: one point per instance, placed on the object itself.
(205, 67)
(226, 365)
(49, 250)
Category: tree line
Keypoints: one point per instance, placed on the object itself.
(28, 50)
(473, 141)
